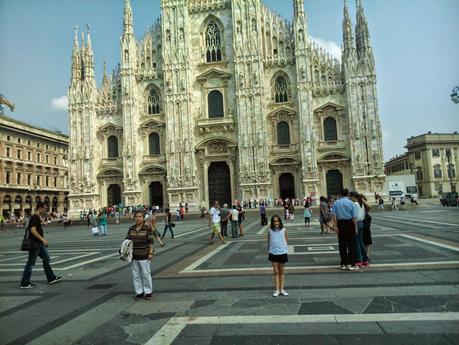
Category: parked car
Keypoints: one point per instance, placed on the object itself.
(449, 199)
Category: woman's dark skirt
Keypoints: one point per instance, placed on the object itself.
(283, 258)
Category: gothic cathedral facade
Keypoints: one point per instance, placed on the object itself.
(225, 100)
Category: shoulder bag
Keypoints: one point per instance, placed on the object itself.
(27, 242)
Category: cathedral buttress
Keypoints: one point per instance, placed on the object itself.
(365, 127)
(255, 177)
(130, 110)
(82, 97)
(305, 114)
(181, 162)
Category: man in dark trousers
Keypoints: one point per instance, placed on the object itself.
(346, 214)
(39, 248)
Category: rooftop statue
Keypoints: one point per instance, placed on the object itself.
(5, 101)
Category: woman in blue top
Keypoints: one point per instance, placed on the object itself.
(277, 249)
(103, 223)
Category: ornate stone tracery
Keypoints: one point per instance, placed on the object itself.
(269, 75)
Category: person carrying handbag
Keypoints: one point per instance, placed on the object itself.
(38, 249)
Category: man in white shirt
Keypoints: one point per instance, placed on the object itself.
(214, 223)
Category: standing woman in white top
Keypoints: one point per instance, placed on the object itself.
(277, 253)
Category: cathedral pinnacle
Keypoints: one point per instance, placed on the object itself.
(298, 8)
(75, 40)
(127, 22)
(76, 63)
(348, 38)
(89, 43)
(361, 32)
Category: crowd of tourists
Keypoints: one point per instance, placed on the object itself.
(347, 215)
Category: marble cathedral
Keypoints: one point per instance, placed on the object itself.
(224, 99)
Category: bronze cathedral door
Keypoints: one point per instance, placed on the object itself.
(219, 183)
(334, 182)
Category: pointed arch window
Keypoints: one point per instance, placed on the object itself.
(153, 102)
(215, 104)
(153, 143)
(280, 90)
(112, 146)
(213, 43)
(283, 133)
(330, 133)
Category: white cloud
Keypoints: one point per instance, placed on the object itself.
(329, 46)
(60, 103)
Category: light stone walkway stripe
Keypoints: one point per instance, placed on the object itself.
(456, 249)
(263, 230)
(63, 268)
(14, 258)
(290, 268)
(169, 332)
(88, 262)
(76, 250)
(192, 232)
(195, 264)
(417, 219)
(60, 261)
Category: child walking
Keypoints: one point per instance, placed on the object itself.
(307, 214)
(277, 253)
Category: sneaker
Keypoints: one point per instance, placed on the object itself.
(276, 293)
(148, 296)
(343, 267)
(365, 263)
(353, 268)
(284, 293)
(28, 286)
(57, 279)
(138, 296)
(359, 264)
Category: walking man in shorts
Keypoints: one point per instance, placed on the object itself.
(214, 223)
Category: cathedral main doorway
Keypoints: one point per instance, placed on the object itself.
(219, 183)
(156, 194)
(113, 195)
(286, 186)
(334, 182)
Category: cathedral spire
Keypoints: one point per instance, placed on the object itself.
(76, 62)
(76, 46)
(348, 38)
(89, 56)
(105, 78)
(362, 33)
(127, 22)
(298, 8)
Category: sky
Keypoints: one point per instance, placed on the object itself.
(415, 44)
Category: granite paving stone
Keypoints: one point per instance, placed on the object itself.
(192, 341)
(324, 307)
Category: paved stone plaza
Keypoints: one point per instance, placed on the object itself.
(221, 294)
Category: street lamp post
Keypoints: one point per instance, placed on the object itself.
(450, 168)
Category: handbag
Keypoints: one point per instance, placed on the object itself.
(327, 217)
(95, 230)
(27, 243)
(173, 225)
